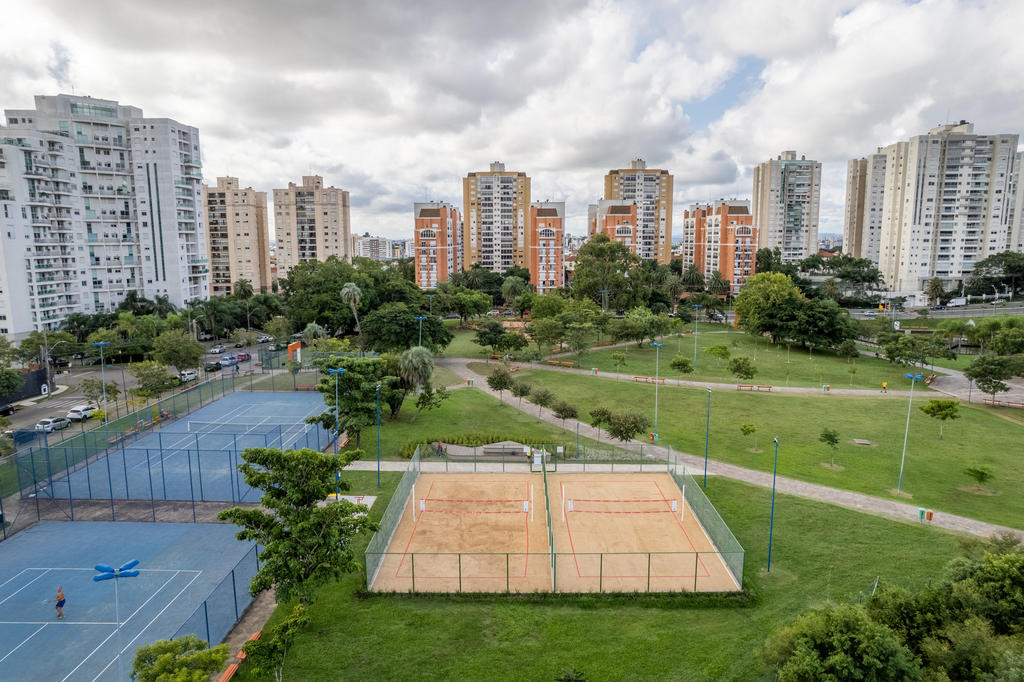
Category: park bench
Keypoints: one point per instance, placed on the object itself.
(495, 356)
(560, 363)
(744, 387)
(929, 379)
(650, 380)
(514, 369)
(764, 388)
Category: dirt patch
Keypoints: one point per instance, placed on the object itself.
(977, 489)
(900, 493)
(861, 441)
(756, 451)
(833, 467)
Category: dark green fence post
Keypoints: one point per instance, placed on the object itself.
(460, 571)
(412, 570)
(507, 585)
(648, 571)
(600, 574)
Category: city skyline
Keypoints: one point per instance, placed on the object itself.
(706, 93)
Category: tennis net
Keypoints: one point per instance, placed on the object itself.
(262, 427)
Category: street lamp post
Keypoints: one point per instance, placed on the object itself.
(695, 314)
(657, 356)
(103, 377)
(46, 359)
(707, 437)
(771, 518)
(913, 378)
(430, 298)
(337, 411)
(420, 318)
(378, 435)
(127, 570)
(604, 298)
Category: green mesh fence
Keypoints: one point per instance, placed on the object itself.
(378, 545)
(715, 528)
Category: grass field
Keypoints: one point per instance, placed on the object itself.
(775, 365)
(934, 468)
(462, 345)
(820, 552)
(467, 411)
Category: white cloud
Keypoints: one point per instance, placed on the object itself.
(397, 101)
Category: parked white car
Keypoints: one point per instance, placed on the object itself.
(53, 424)
(81, 412)
(187, 375)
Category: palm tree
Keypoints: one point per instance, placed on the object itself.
(934, 290)
(416, 366)
(243, 289)
(162, 305)
(830, 288)
(693, 278)
(512, 287)
(350, 294)
(717, 285)
(674, 287)
(313, 331)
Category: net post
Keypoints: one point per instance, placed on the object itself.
(67, 468)
(413, 505)
(460, 571)
(531, 503)
(600, 573)
(191, 488)
(110, 480)
(152, 497)
(412, 570)
(648, 571)
(696, 560)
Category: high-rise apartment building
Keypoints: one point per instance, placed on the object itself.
(96, 200)
(865, 192)
(721, 236)
(496, 214)
(947, 202)
(545, 262)
(437, 243)
(237, 239)
(787, 192)
(311, 222)
(1016, 242)
(651, 189)
(376, 248)
(618, 219)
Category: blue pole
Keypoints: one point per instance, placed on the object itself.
(421, 318)
(906, 432)
(378, 435)
(707, 436)
(657, 357)
(696, 312)
(771, 519)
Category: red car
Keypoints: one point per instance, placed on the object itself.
(242, 357)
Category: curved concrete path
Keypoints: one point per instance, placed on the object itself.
(844, 498)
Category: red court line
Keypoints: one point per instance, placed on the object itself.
(692, 546)
(452, 511)
(412, 533)
(577, 499)
(445, 499)
(588, 511)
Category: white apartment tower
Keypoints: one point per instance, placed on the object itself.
(375, 248)
(96, 200)
(865, 194)
(311, 222)
(947, 202)
(787, 192)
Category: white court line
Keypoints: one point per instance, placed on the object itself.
(23, 642)
(140, 570)
(16, 575)
(24, 586)
(158, 591)
(50, 622)
(82, 662)
(129, 644)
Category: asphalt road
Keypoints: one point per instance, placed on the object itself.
(25, 417)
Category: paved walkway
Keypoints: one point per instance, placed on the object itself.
(843, 498)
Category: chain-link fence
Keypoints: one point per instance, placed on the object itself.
(714, 526)
(219, 612)
(392, 516)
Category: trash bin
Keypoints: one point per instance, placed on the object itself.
(920, 513)
(593, 370)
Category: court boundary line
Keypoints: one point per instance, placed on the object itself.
(700, 524)
(25, 641)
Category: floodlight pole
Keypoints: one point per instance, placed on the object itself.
(771, 518)
(378, 435)
(430, 298)
(696, 313)
(657, 356)
(421, 318)
(103, 377)
(707, 437)
(906, 431)
(110, 573)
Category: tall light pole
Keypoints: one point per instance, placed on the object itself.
(771, 519)
(103, 377)
(696, 313)
(657, 355)
(46, 358)
(420, 318)
(913, 378)
(430, 298)
(127, 570)
(337, 411)
(124, 388)
(707, 437)
(378, 435)
(604, 298)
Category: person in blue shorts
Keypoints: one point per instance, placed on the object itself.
(60, 602)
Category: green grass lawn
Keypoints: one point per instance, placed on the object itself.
(820, 553)
(462, 345)
(775, 365)
(467, 411)
(443, 376)
(933, 471)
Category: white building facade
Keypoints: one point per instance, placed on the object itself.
(787, 195)
(95, 201)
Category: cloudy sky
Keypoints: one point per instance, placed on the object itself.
(397, 101)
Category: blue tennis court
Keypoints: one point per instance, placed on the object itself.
(191, 458)
(193, 578)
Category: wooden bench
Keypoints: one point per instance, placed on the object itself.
(744, 387)
(650, 380)
(764, 388)
(514, 369)
(929, 379)
(562, 363)
(495, 356)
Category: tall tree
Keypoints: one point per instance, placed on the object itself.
(934, 290)
(990, 372)
(830, 437)
(242, 289)
(394, 327)
(306, 543)
(151, 378)
(500, 380)
(182, 659)
(489, 333)
(177, 349)
(350, 294)
(717, 284)
(765, 304)
(512, 287)
(942, 410)
(693, 278)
